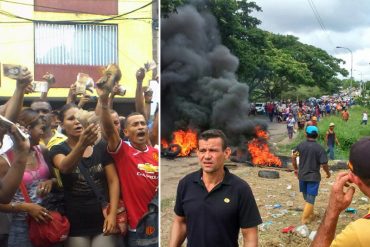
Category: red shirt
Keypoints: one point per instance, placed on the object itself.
(345, 115)
(138, 175)
(270, 108)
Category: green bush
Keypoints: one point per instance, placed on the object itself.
(347, 142)
(362, 101)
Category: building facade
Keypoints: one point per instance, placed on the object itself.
(68, 37)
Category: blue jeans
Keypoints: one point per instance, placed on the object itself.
(309, 190)
(18, 234)
(330, 151)
(132, 240)
(309, 198)
(290, 131)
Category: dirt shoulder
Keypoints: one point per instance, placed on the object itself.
(268, 192)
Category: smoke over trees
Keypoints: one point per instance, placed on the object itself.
(199, 88)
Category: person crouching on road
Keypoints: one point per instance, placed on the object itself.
(311, 156)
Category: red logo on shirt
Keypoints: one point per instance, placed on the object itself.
(155, 156)
(149, 230)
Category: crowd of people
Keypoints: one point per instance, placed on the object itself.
(304, 111)
(116, 151)
(297, 116)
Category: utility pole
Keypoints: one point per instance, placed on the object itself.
(341, 47)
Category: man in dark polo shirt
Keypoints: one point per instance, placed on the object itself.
(311, 156)
(212, 204)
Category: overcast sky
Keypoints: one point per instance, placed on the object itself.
(346, 23)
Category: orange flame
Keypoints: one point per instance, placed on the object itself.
(164, 143)
(261, 134)
(187, 140)
(260, 151)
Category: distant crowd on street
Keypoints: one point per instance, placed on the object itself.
(303, 111)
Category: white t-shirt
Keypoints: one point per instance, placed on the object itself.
(364, 116)
(290, 122)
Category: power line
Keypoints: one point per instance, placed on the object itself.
(130, 12)
(320, 21)
(55, 8)
(13, 22)
(88, 21)
(47, 7)
(317, 15)
(144, 19)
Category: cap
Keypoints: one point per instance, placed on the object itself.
(310, 129)
(331, 124)
(359, 157)
(314, 118)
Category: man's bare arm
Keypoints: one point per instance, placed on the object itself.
(71, 94)
(326, 231)
(294, 163)
(178, 231)
(15, 103)
(110, 131)
(50, 80)
(139, 97)
(12, 178)
(325, 167)
(250, 237)
(339, 200)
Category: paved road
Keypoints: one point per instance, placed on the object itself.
(277, 131)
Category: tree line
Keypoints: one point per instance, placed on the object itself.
(272, 65)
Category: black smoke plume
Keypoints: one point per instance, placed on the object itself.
(199, 88)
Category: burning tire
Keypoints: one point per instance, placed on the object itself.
(340, 165)
(172, 151)
(268, 174)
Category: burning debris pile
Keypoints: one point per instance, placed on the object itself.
(199, 88)
(260, 152)
(183, 142)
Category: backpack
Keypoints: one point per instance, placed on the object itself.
(147, 228)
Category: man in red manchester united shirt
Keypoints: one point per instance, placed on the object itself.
(136, 163)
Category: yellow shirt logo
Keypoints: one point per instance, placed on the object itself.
(148, 168)
(226, 200)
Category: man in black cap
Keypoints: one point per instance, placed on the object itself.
(357, 233)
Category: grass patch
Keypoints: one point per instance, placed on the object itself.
(167, 203)
(287, 149)
(347, 133)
